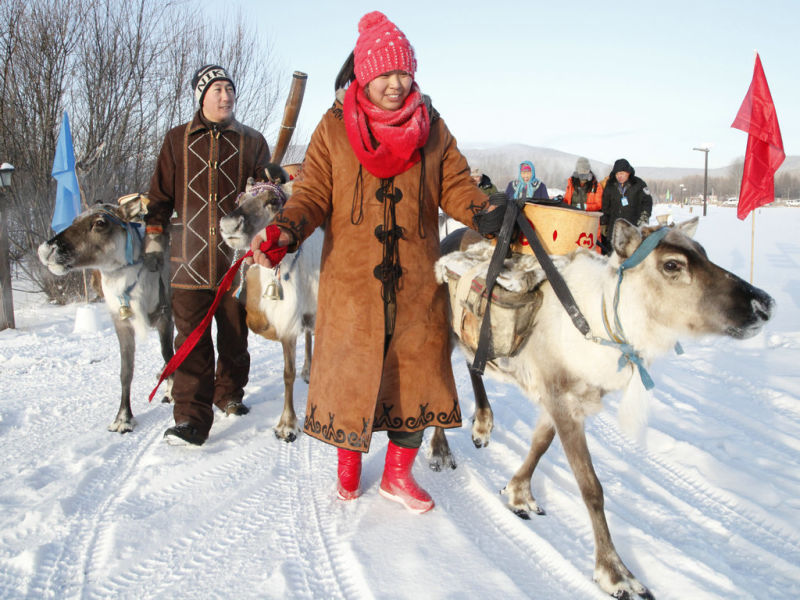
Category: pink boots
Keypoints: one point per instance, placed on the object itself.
(349, 474)
(398, 483)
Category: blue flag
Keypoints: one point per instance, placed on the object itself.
(68, 196)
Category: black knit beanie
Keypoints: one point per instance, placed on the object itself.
(204, 77)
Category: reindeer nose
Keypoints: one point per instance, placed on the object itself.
(763, 306)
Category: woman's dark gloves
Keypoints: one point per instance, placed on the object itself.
(489, 221)
(276, 173)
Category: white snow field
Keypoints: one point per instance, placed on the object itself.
(707, 505)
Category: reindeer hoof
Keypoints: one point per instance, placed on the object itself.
(437, 463)
(166, 400)
(122, 425)
(625, 586)
(522, 514)
(440, 459)
(237, 408)
(626, 595)
(287, 436)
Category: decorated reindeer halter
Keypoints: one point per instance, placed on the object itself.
(617, 334)
(131, 230)
(259, 188)
(274, 290)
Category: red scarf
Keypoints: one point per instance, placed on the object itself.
(399, 133)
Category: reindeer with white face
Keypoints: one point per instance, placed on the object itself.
(107, 237)
(674, 291)
(281, 303)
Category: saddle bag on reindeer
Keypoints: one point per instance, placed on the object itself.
(486, 274)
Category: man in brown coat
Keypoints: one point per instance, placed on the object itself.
(202, 167)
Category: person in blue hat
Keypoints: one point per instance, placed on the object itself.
(526, 185)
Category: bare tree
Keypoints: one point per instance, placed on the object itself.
(122, 70)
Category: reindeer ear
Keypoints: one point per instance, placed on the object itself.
(133, 206)
(625, 238)
(249, 185)
(688, 228)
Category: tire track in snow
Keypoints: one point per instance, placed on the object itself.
(55, 573)
(541, 570)
(321, 567)
(212, 548)
(739, 521)
(761, 399)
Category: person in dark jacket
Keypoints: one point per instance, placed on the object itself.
(203, 166)
(526, 185)
(625, 196)
(483, 182)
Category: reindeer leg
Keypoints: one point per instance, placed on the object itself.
(305, 374)
(440, 451)
(518, 490)
(286, 429)
(124, 420)
(483, 421)
(610, 573)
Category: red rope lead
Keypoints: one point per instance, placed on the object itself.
(274, 253)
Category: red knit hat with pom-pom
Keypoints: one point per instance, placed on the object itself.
(381, 47)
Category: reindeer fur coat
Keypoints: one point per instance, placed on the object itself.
(354, 388)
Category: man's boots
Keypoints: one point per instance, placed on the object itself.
(398, 483)
(349, 474)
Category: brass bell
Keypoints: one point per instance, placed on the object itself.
(125, 312)
(274, 291)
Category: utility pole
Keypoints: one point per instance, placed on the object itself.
(705, 179)
(6, 298)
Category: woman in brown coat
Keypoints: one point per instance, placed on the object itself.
(378, 167)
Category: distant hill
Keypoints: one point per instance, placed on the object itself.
(554, 166)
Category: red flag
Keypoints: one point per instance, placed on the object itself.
(764, 153)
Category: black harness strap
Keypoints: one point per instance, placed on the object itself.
(556, 280)
(495, 264)
(514, 215)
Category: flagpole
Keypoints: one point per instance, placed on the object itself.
(752, 244)
(84, 206)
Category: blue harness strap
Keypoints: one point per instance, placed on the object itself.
(618, 338)
(131, 230)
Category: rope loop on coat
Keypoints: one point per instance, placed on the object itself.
(358, 198)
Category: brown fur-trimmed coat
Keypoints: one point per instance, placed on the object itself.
(353, 390)
(200, 171)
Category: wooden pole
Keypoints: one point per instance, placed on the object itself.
(7, 300)
(290, 114)
(84, 206)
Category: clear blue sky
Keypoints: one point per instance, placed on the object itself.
(640, 79)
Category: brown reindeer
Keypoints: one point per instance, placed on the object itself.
(281, 303)
(675, 291)
(107, 237)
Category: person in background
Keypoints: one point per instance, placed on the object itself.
(379, 166)
(625, 196)
(201, 169)
(483, 182)
(526, 185)
(584, 192)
